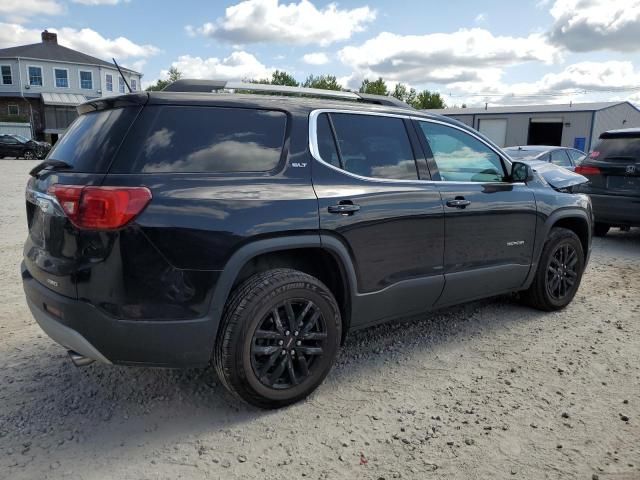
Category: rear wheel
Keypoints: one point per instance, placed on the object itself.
(279, 337)
(559, 271)
(601, 229)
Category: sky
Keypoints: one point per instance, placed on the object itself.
(495, 52)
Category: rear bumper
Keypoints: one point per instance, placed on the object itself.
(616, 209)
(80, 326)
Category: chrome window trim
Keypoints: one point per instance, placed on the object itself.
(315, 151)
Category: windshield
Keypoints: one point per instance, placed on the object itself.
(519, 154)
(21, 138)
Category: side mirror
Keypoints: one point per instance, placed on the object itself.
(521, 172)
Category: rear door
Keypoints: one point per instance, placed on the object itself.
(376, 200)
(55, 252)
(489, 221)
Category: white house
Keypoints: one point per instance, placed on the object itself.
(42, 84)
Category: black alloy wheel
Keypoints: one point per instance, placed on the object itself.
(287, 343)
(561, 271)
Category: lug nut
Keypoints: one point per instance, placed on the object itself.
(287, 333)
(298, 343)
(281, 342)
(293, 352)
(283, 352)
(295, 334)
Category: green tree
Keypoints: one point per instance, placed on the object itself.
(375, 87)
(324, 82)
(426, 100)
(406, 95)
(278, 78)
(174, 74)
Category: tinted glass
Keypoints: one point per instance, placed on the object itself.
(373, 146)
(461, 157)
(92, 140)
(326, 143)
(203, 139)
(622, 149)
(559, 157)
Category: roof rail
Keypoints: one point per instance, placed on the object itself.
(211, 86)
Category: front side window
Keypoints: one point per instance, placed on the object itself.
(461, 157)
(203, 139)
(7, 77)
(559, 157)
(62, 77)
(367, 145)
(109, 82)
(121, 85)
(35, 76)
(12, 109)
(86, 80)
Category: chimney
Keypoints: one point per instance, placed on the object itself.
(48, 37)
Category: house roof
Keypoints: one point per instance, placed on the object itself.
(54, 52)
(559, 107)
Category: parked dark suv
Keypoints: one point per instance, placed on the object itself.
(21, 147)
(177, 228)
(613, 170)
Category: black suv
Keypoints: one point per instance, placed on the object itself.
(613, 170)
(21, 147)
(177, 228)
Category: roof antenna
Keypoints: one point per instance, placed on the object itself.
(121, 74)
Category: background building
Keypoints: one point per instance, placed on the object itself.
(42, 83)
(576, 125)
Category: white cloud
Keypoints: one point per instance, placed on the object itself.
(579, 81)
(317, 58)
(301, 23)
(587, 25)
(100, 2)
(480, 18)
(462, 56)
(27, 8)
(85, 40)
(239, 65)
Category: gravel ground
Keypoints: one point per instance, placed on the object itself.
(487, 390)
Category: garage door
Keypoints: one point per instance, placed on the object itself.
(495, 129)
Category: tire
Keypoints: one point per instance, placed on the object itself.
(255, 352)
(553, 291)
(601, 229)
(29, 155)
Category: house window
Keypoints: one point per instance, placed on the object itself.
(35, 76)
(62, 77)
(134, 84)
(86, 80)
(109, 82)
(13, 109)
(7, 78)
(121, 85)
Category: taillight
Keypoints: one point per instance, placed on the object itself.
(101, 208)
(587, 170)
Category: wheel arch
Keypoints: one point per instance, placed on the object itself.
(325, 258)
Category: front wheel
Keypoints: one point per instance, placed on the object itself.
(559, 271)
(29, 155)
(279, 337)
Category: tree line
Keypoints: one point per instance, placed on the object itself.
(420, 100)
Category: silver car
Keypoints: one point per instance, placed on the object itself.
(565, 157)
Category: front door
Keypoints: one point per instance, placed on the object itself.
(373, 201)
(489, 222)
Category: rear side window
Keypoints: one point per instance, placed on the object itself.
(92, 140)
(370, 146)
(169, 139)
(617, 149)
(559, 157)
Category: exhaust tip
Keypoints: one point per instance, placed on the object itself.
(80, 360)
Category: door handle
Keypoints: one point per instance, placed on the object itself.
(344, 208)
(458, 203)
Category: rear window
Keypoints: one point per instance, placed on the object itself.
(168, 139)
(519, 154)
(92, 140)
(617, 149)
